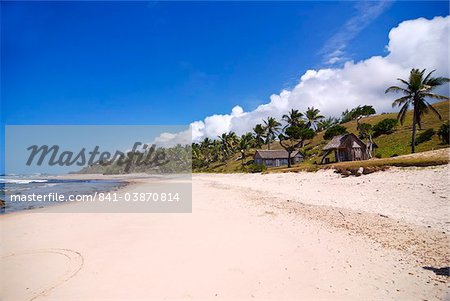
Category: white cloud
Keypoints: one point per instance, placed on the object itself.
(419, 43)
(171, 139)
(366, 11)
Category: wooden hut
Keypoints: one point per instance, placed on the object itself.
(272, 158)
(346, 147)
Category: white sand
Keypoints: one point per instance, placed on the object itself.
(416, 195)
(242, 241)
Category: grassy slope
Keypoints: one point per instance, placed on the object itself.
(396, 143)
(427, 158)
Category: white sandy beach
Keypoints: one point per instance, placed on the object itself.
(278, 236)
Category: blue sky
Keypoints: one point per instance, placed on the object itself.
(174, 62)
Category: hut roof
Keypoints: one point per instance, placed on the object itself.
(275, 154)
(341, 141)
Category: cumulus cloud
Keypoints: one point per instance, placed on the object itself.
(419, 43)
(172, 139)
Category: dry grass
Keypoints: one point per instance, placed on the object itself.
(429, 158)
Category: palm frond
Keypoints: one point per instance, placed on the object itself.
(401, 100)
(405, 82)
(396, 89)
(435, 96)
(425, 80)
(402, 113)
(436, 81)
(429, 106)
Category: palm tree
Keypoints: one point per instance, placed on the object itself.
(206, 143)
(260, 132)
(205, 148)
(216, 150)
(312, 117)
(228, 143)
(196, 151)
(293, 118)
(244, 145)
(416, 89)
(232, 139)
(325, 124)
(224, 145)
(272, 126)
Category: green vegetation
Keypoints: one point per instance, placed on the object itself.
(417, 88)
(312, 117)
(244, 146)
(326, 123)
(155, 160)
(384, 127)
(357, 113)
(425, 136)
(333, 131)
(443, 133)
(366, 131)
(271, 128)
(254, 168)
(398, 142)
(294, 137)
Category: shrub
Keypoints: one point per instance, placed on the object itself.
(425, 136)
(250, 162)
(254, 168)
(365, 130)
(305, 153)
(378, 155)
(443, 132)
(384, 127)
(335, 130)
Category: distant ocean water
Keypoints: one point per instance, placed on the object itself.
(26, 185)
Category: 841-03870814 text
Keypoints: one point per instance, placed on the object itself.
(102, 197)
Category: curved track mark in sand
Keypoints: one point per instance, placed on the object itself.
(76, 262)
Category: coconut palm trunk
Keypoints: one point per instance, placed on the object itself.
(413, 132)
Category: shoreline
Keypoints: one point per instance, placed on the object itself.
(124, 183)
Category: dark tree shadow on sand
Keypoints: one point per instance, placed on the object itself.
(439, 271)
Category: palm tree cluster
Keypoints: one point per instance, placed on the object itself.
(270, 130)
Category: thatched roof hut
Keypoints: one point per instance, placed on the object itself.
(347, 147)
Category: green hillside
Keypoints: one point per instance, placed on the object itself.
(395, 144)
